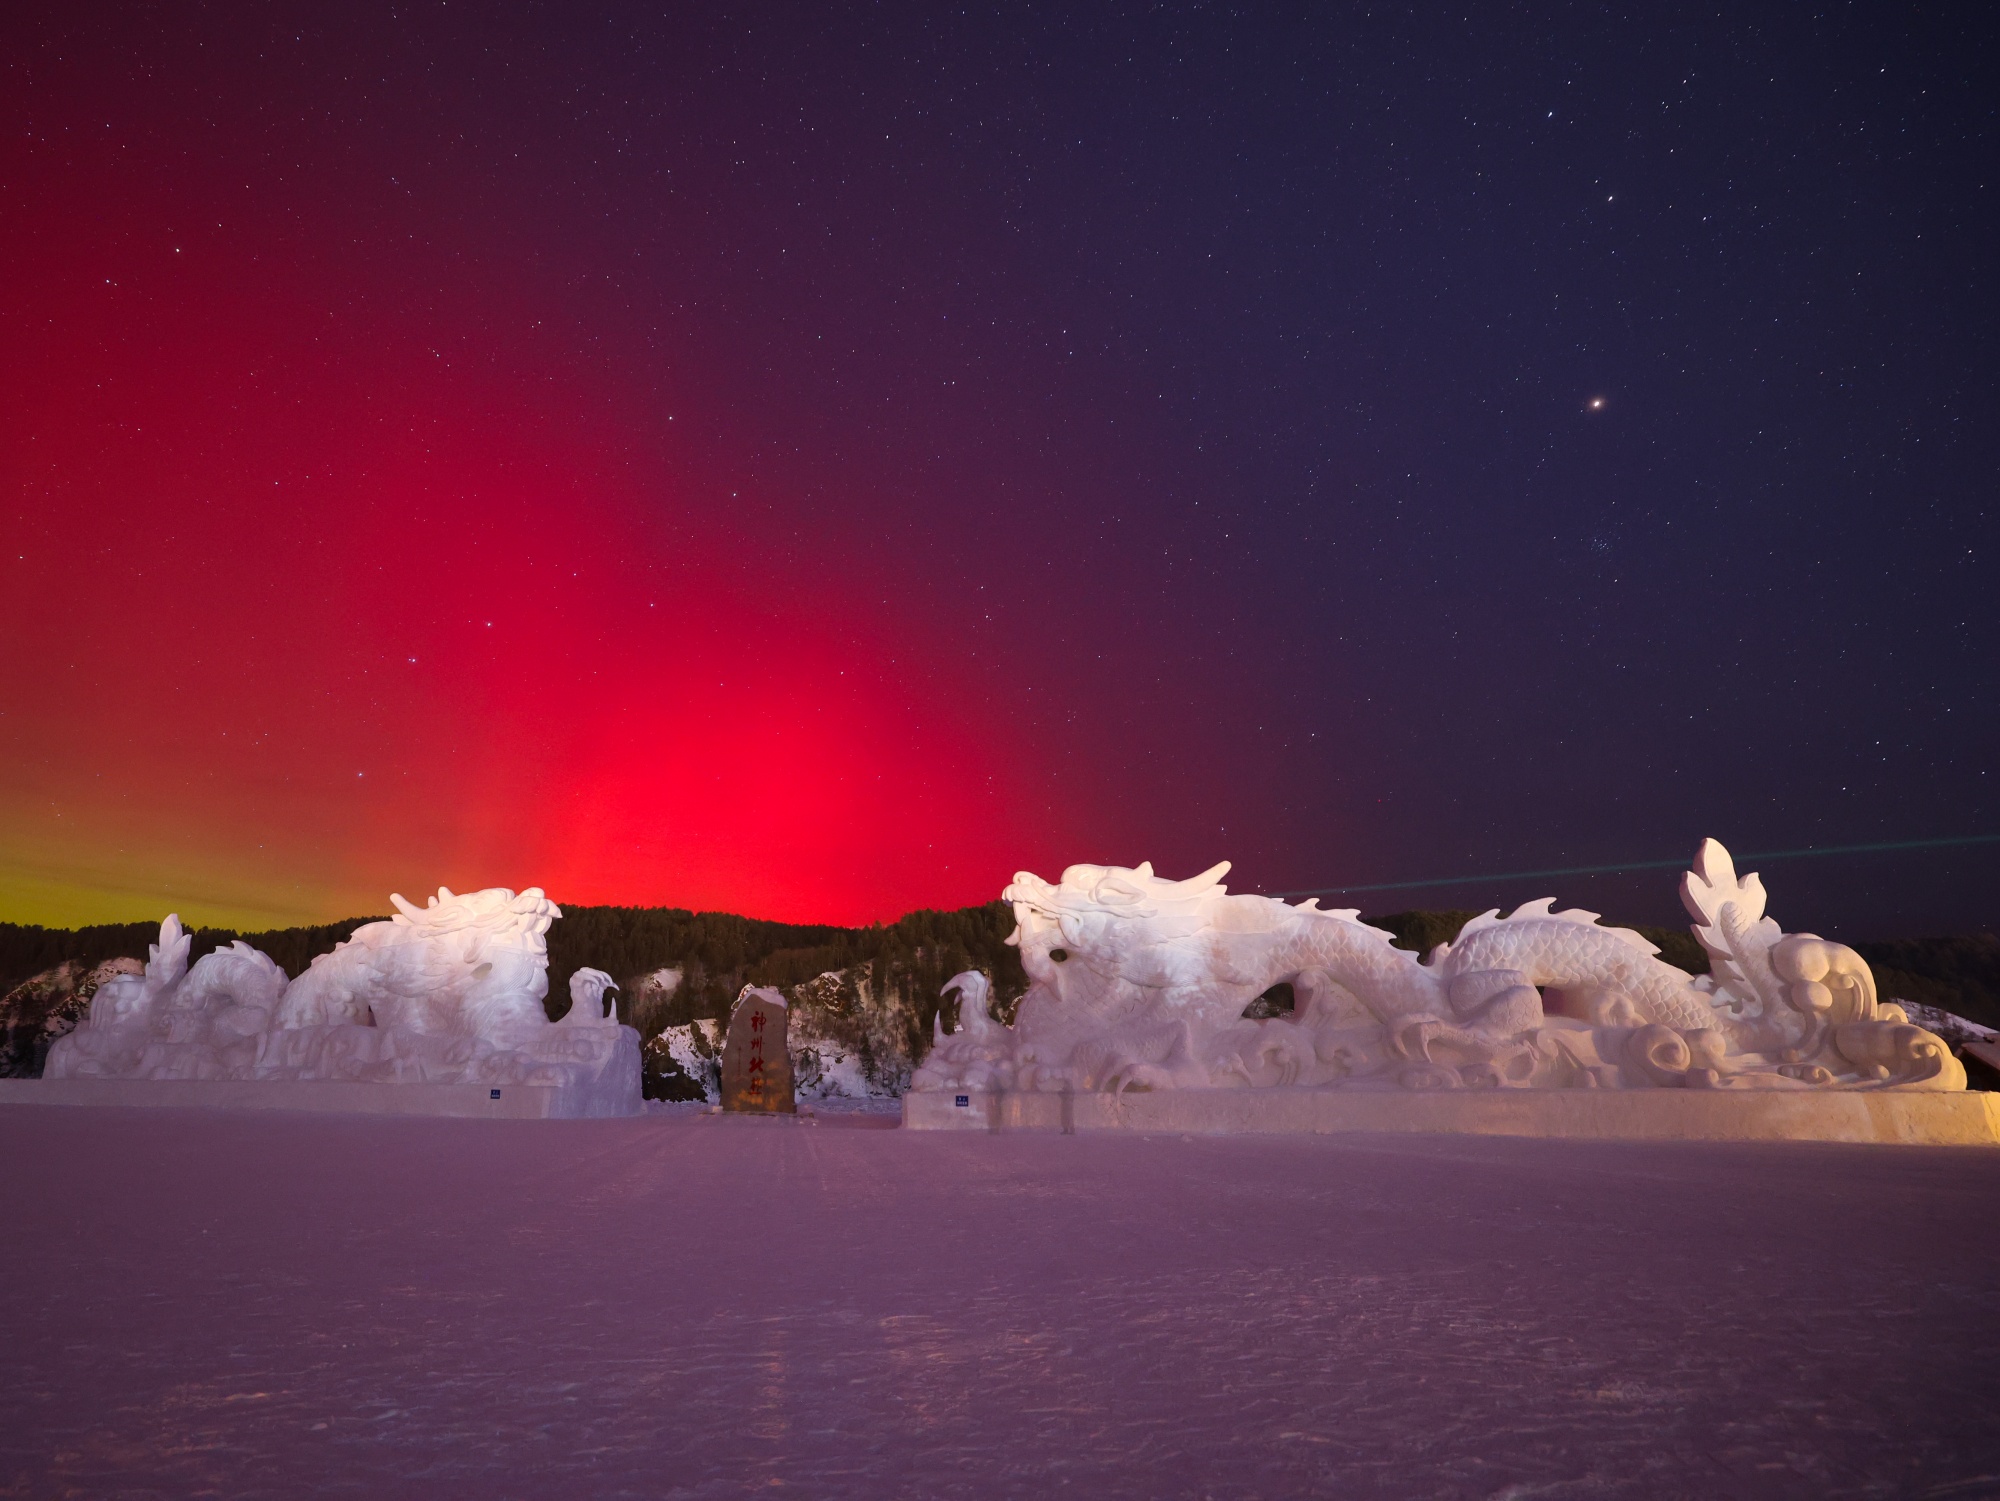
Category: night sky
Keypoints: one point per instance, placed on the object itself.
(815, 462)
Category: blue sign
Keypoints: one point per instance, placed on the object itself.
(964, 1101)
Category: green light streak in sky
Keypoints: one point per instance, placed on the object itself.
(1682, 864)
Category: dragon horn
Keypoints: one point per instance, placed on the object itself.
(1210, 877)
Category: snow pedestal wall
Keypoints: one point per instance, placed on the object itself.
(1912, 1118)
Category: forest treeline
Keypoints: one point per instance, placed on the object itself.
(718, 953)
(27, 950)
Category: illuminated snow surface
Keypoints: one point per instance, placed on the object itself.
(684, 1306)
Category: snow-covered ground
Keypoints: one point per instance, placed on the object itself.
(686, 1305)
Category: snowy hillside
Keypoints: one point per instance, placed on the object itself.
(38, 1011)
(850, 1039)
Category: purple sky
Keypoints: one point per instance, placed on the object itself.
(1366, 447)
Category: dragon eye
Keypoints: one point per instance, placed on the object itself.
(1059, 954)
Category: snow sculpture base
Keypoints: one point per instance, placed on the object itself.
(335, 1096)
(1912, 1118)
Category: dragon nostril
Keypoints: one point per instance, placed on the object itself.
(1059, 954)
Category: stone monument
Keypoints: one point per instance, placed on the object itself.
(756, 1063)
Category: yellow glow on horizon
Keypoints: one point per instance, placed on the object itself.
(44, 900)
(61, 873)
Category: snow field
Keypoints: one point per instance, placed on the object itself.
(683, 1305)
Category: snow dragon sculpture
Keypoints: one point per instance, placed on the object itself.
(447, 993)
(1140, 982)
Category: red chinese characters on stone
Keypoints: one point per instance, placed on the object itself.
(756, 1065)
